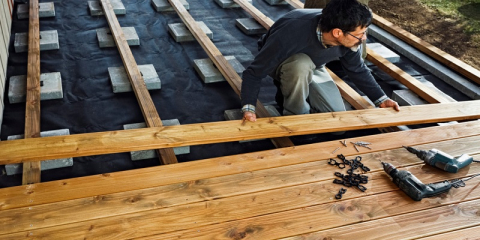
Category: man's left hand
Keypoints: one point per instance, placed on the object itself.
(390, 103)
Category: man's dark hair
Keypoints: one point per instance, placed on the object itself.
(346, 15)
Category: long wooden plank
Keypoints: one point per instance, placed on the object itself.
(439, 55)
(221, 63)
(412, 83)
(267, 206)
(152, 119)
(463, 234)
(31, 170)
(217, 188)
(48, 192)
(313, 208)
(205, 133)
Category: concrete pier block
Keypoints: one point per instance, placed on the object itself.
(250, 26)
(277, 2)
(384, 52)
(50, 87)
(180, 32)
(147, 154)
(48, 41)
(236, 114)
(164, 5)
(45, 165)
(121, 83)
(105, 38)
(406, 97)
(209, 72)
(457, 81)
(96, 9)
(229, 3)
(46, 9)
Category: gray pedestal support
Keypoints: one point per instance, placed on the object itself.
(105, 38)
(48, 41)
(384, 52)
(96, 9)
(121, 83)
(147, 154)
(229, 3)
(50, 87)
(164, 5)
(46, 9)
(210, 74)
(180, 32)
(45, 165)
(250, 26)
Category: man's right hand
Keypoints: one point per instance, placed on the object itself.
(249, 116)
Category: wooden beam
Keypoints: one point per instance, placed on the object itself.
(214, 132)
(295, 3)
(99, 185)
(439, 55)
(31, 170)
(152, 119)
(412, 83)
(221, 63)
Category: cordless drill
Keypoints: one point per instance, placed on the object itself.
(413, 187)
(442, 160)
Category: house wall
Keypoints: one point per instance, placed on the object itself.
(6, 7)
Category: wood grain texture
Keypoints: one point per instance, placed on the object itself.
(264, 211)
(205, 133)
(150, 114)
(412, 83)
(31, 170)
(99, 185)
(462, 234)
(221, 63)
(439, 55)
(217, 188)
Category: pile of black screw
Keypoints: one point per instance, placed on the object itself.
(350, 179)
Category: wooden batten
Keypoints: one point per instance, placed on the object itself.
(152, 119)
(31, 170)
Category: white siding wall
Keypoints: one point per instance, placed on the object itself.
(6, 7)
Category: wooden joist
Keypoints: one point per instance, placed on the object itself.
(221, 63)
(188, 172)
(412, 83)
(439, 55)
(210, 208)
(205, 133)
(152, 119)
(31, 170)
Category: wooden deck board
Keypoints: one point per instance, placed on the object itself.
(204, 133)
(68, 189)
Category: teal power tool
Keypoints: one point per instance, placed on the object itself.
(442, 160)
(413, 187)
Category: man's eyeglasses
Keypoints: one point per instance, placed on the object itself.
(359, 38)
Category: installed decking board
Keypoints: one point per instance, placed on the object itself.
(265, 207)
(322, 211)
(150, 114)
(441, 56)
(48, 192)
(462, 234)
(205, 133)
(221, 63)
(31, 170)
(220, 187)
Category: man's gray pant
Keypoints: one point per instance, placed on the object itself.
(300, 80)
